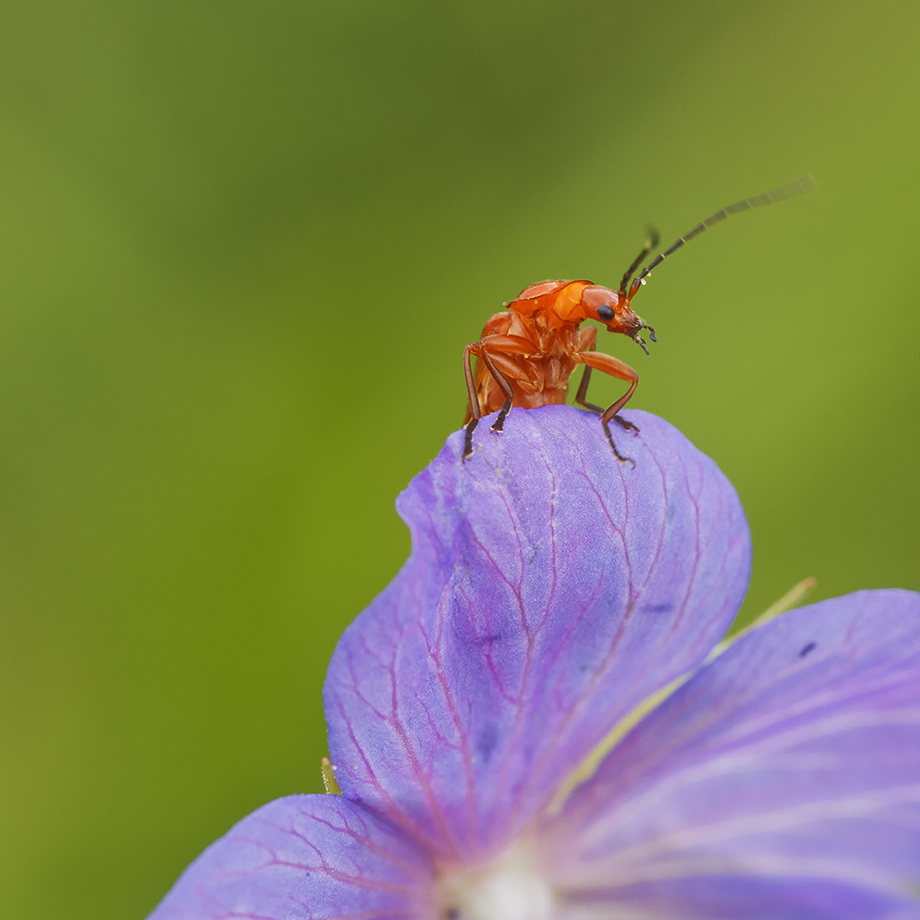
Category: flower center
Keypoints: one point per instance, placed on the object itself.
(509, 888)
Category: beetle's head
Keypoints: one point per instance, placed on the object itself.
(613, 310)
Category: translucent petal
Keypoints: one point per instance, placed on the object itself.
(783, 780)
(309, 856)
(550, 589)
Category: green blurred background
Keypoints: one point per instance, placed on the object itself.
(243, 246)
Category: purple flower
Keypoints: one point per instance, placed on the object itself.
(551, 595)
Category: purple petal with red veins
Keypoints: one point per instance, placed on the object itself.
(550, 589)
(306, 857)
(783, 780)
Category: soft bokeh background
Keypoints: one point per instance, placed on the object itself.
(243, 246)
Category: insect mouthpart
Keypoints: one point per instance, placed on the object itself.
(638, 338)
(640, 342)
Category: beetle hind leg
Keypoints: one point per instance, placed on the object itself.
(499, 424)
(468, 430)
(475, 410)
(506, 388)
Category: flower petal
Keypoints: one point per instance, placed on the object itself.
(550, 589)
(782, 780)
(734, 898)
(306, 856)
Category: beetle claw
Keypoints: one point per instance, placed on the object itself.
(621, 457)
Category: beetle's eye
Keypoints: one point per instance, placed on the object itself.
(605, 313)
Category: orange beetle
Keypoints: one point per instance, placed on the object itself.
(527, 354)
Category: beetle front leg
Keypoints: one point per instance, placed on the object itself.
(587, 343)
(622, 371)
(625, 424)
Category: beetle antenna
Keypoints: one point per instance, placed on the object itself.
(650, 244)
(778, 194)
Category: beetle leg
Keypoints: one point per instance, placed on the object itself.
(587, 342)
(503, 385)
(477, 348)
(475, 411)
(622, 371)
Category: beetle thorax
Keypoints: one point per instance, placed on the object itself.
(567, 307)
